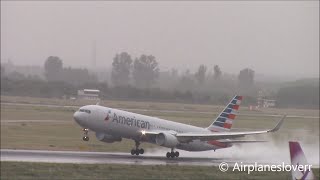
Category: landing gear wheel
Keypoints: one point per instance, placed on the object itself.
(172, 155)
(85, 136)
(141, 151)
(177, 154)
(136, 150)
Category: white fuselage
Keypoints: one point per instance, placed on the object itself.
(122, 124)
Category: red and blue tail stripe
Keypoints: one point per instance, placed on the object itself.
(224, 121)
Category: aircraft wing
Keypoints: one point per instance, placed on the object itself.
(186, 137)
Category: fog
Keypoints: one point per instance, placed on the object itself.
(272, 38)
(183, 52)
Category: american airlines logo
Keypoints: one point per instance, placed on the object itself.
(130, 121)
(107, 118)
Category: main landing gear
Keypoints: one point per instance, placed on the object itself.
(85, 136)
(172, 154)
(137, 151)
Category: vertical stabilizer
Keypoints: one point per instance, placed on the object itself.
(225, 119)
(298, 158)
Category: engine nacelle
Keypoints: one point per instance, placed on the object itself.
(166, 140)
(107, 138)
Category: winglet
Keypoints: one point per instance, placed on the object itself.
(279, 124)
(98, 103)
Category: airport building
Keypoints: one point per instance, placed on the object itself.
(268, 103)
(264, 102)
(89, 94)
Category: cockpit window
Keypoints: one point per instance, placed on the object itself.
(85, 110)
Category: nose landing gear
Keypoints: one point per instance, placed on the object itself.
(136, 150)
(85, 136)
(172, 154)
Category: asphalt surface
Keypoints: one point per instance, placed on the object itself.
(104, 158)
(245, 155)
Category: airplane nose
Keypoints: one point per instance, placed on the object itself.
(80, 118)
(76, 117)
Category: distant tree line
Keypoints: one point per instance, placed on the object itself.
(140, 78)
(143, 71)
(55, 72)
(59, 89)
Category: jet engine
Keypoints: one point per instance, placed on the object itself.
(107, 138)
(166, 140)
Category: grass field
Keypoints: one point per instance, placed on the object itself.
(153, 105)
(22, 170)
(62, 133)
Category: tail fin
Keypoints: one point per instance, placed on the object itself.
(225, 119)
(298, 158)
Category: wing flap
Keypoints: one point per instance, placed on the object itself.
(241, 141)
(215, 136)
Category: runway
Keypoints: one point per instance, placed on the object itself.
(104, 158)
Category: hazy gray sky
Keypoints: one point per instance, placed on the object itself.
(280, 38)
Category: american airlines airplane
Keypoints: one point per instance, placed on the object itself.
(298, 158)
(112, 125)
